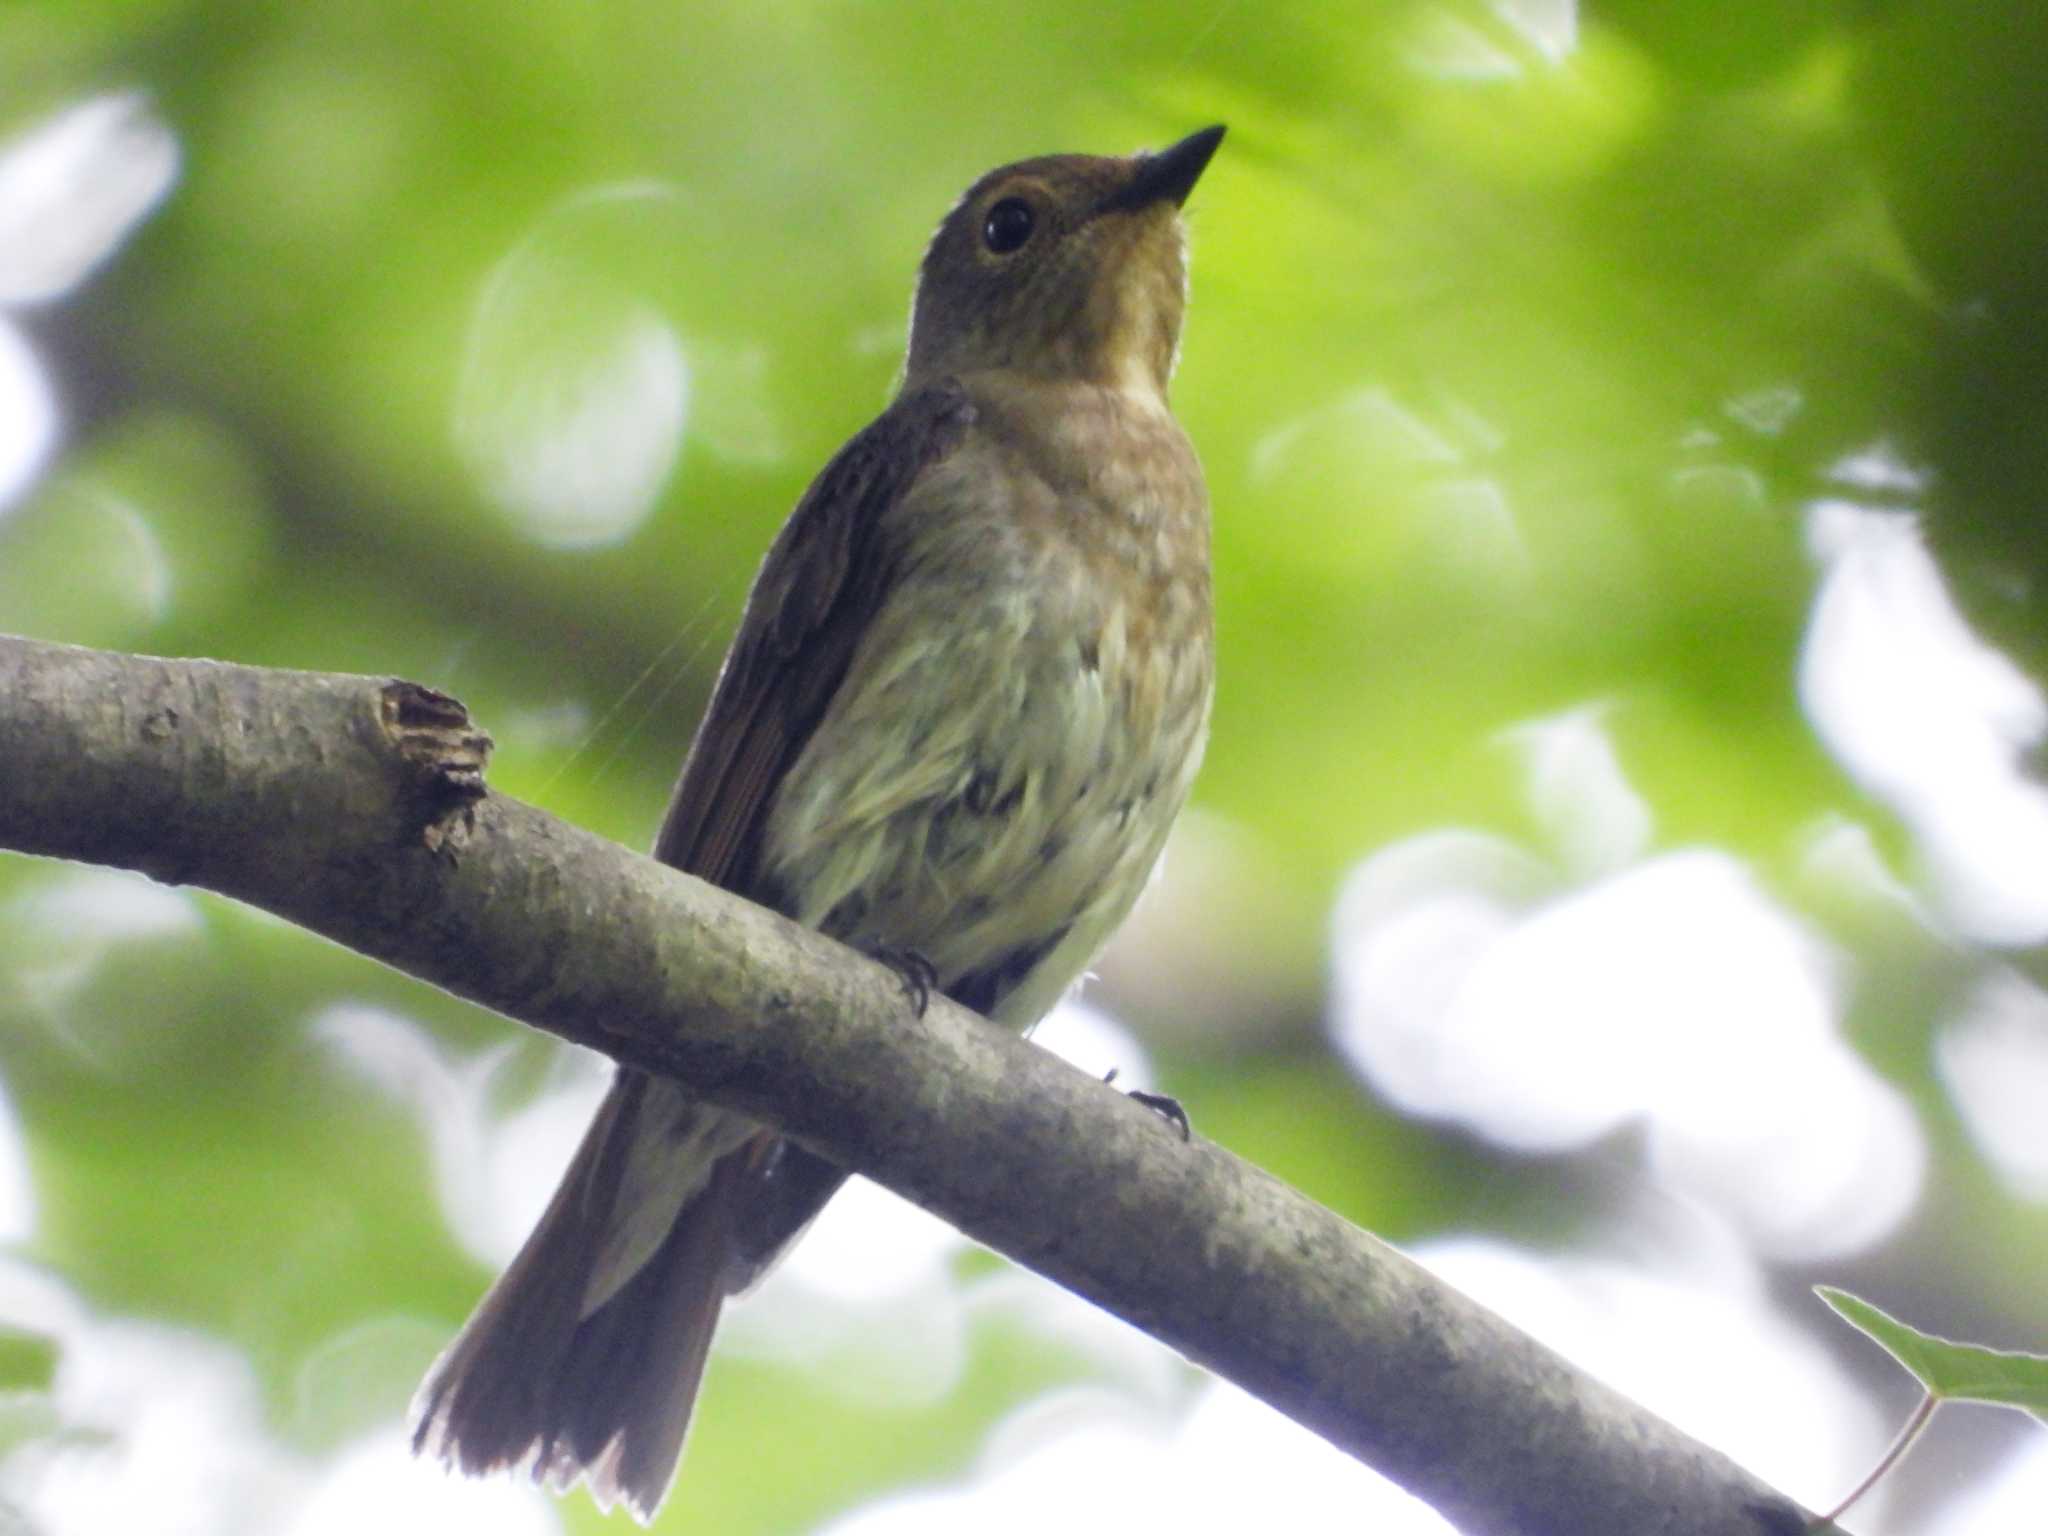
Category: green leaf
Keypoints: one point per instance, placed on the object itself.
(1958, 1372)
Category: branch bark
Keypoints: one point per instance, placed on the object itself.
(356, 807)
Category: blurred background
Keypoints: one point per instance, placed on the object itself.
(1620, 873)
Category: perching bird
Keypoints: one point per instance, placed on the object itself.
(967, 698)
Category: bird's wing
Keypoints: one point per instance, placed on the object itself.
(814, 598)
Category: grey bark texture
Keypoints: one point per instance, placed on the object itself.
(356, 807)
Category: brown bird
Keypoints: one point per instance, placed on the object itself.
(968, 695)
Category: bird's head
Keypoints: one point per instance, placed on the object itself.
(1065, 267)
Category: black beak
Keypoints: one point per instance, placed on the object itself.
(1171, 173)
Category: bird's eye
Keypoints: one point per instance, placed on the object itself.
(1009, 225)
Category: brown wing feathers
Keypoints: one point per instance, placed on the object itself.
(532, 1379)
(817, 592)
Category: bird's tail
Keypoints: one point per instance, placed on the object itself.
(584, 1359)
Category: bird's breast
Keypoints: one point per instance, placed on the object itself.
(1020, 724)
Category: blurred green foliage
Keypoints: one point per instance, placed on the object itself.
(1511, 375)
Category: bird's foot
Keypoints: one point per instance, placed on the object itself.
(919, 976)
(1165, 1106)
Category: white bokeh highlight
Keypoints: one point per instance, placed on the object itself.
(1589, 812)
(162, 1433)
(72, 188)
(2009, 1503)
(1698, 1343)
(1089, 1460)
(865, 1306)
(17, 1188)
(72, 923)
(1993, 1059)
(378, 1484)
(1692, 1346)
(873, 1291)
(574, 390)
(1544, 1004)
(107, 906)
(163, 1430)
(28, 415)
(1084, 1036)
(869, 1303)
(1448, 44)
(1927, 717)
(494, 1171)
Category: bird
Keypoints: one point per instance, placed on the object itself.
(966, 701)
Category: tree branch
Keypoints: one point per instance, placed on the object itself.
(356, 808)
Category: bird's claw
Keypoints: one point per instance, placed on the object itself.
(919, 976)
(1165, 1106)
